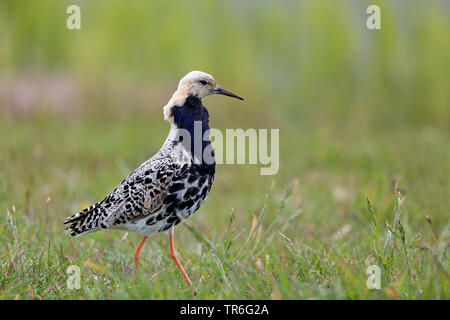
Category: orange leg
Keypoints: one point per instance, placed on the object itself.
(137, 253)
(177, 262)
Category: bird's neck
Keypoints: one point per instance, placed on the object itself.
(190, 127)
(192, 111)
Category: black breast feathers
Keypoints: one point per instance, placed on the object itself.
(185, 117)
(191, 184)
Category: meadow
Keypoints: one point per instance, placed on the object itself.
(364, 120)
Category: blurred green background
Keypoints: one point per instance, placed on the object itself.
(358, 110)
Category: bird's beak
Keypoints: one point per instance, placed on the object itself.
(220, 90)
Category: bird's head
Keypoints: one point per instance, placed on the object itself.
(198, 84)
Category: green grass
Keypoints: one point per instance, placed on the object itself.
(364, 145)
(312, 233)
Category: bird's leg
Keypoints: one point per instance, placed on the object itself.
(175, 259)
(137, 253)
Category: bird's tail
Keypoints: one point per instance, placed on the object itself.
(86, 221)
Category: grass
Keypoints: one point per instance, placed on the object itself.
(364, 148)
(309, 236)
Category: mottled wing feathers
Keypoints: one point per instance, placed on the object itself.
(87, 220)
(140, 194)
(145, 190)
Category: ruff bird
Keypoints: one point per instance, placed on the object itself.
(171, 185)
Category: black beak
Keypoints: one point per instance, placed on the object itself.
(219, 90)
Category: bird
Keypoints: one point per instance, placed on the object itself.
(170, 186)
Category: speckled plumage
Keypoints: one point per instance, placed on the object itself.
(161, 192)
(170, 186)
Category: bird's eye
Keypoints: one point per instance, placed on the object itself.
(203, 82)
